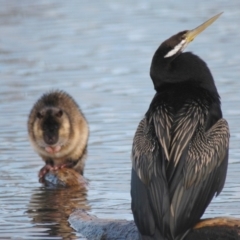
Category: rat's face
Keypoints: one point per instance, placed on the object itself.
(51, 129)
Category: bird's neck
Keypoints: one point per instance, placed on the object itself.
(186, 67)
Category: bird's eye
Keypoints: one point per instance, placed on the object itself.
(183, 37)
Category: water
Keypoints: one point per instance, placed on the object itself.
(100, 53)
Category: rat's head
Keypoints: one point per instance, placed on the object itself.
(51, 129)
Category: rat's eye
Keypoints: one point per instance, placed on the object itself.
(39, 115)
(59, 113)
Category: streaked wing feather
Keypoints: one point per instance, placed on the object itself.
(206, 152)
(186, 121)
(203, 176)
(185, 124)
(149, 164)
(142, 212)
(163, 119)
(145, 148)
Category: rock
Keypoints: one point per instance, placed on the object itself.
(65, 177)
(91, 227)
(219, 228)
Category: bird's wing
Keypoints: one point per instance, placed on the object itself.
(144, 151)
(149, 190)
(185, 124)
(201, 177)
(163, 120)
(174, 132)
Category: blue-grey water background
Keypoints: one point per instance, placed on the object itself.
(100, 53)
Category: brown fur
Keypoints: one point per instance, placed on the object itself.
(72, 131)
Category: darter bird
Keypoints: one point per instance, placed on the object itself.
(180, 148)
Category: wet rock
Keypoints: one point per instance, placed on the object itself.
(221, 228)
(91, 227)
(64, 177)
(95, 228)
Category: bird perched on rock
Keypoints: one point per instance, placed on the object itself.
(180, 148)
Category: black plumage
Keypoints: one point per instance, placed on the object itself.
(180, 148)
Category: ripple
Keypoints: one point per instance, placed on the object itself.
(99, 52)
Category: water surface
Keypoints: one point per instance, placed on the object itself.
(100, 53)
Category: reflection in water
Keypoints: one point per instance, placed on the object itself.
(99, 52)
(51, 207)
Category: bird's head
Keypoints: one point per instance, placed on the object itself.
(171, 48)
(177, 43)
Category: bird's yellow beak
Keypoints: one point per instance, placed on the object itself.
(190, 35)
